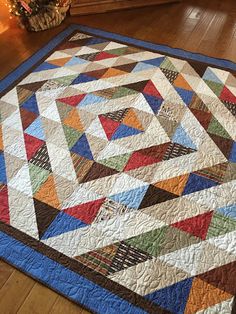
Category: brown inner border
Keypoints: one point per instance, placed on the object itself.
(64, 260)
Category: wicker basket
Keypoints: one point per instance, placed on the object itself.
(51, 16)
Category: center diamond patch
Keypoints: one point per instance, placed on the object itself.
(120, 123)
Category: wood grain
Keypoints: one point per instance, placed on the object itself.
(23, 295)
(31, 303)
(14, 292)
(5, 273)
(83, 7)
(201, 26)
(63, 306)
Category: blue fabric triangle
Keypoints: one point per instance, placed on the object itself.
(210, 76)
(228, 211)
(197, 183)
(31, 104)
(62, 224)
(141, 66)
(36, 129)
(91, 99)
(156, 62)
(3, 176)
(46, 66)
(124, 131)
(186, 95)
(131, 198)
(96, 40)
(83, 78)
(182, 138)
(232, 156)
(75, 60)
(154, 102)
(82, 148)
(174, 297)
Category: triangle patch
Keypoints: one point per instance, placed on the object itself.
(45, 214)
(72, 100)
(4, 206)
(85, 212)
(124, 131)
(169, 297)
(207, 295)
(109, 126)
(48, 194)
(174, 185)
(182, 138)
(150, 89)
(196, 226)
(132, 120)
(82, 148)
(98, 171)
(61, 224)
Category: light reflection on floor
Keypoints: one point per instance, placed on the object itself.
(4, 17)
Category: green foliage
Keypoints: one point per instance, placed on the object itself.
(35, 6)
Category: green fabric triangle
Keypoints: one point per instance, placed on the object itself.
(123, 91)
(176, 239)
(71, 135)
(117, 51)
(63, 109)
(220, 225)
(166, 64)
(150, 242)
(65, 80)
(116, 162)
(216, 128)
(38, 176)
(215, 87)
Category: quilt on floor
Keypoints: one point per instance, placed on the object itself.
(124, 161)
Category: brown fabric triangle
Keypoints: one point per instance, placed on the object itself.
(98, 171)
(45, 214)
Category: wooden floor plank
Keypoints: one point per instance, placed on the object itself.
(39, 300)
(5, 273)
(14, 292)
(62, 306)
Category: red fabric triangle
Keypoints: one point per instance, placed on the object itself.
(197, 226)
(104, 55)
(150, 89)
(226, 95)
(4, 206)
(72, 100)
(85, 212)
(138, 160)
(32, 144)
(109, 126)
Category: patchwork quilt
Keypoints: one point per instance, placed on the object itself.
(118, 176)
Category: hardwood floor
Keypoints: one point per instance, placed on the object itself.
(207, 27)
(23, 295)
